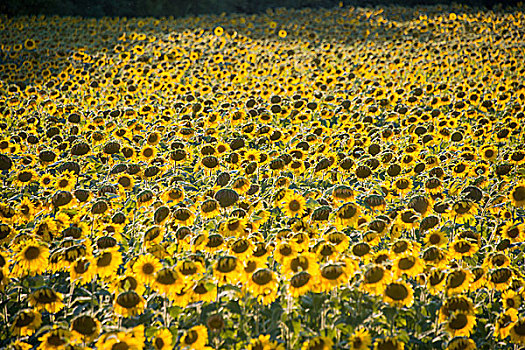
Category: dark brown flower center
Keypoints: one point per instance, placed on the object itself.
(191, 337)
(396, 291)
(226, 264)
(456, 279)
(406, 263)
(128, 299)
(294, 205)
(519, 194)
(56, 340)
(519, 328)
(84, 325)
(166, 277)
(262, 276)
(105, 259)
(24, 319)
(32, 253)
(331, 272)
(458, 321)
(300, 279)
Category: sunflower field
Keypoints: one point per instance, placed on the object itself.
(344, 178)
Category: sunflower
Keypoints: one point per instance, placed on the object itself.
(458, 280)
(46, 229)
(148, 153)
(190, 269)
(84, 329)
(343, 193)
(460, 324)
(25, 211)
(284, 251)
(478, 280)
(347, 215)
(318, 343)
(504, 323)
(517, 331)
(398, 293)
(461, 343)
(65, 181)
(511, 299)
(145, 267)
(360, 340)
(462, 248)
(435, 281)
(46, 298)
(513, 231)
(233, 227)
(26, 322)
(301, 283)
(107, 262)
(25, 177)
(463, 211)
(6, 233)
(242, 248)
(163, 340)
(408, 265)
(402, 185)
(517, 195)
(173, 196)
(304, 261)
(500, 278)
(31, 258)
(55, 339)
(82, 270)
(388, 344)
(47, 180)
(129, 304)
(436, 238)
(264, 342)
(126, 282)
(168, 282)
(456, 303)
(194, 338)
(126, 181)
(130, 340)
(263, 285)
(210, 208)
(375, 279)
(227, 270)
(293, 205)
(407, 219)
(495, 260)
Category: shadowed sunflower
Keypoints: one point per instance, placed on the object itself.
(460, 324)
(360, 340)
(26, 322)
(129, 304)
(46, 298)
(318, 343)
(84, 329)
(461, 343)
(194, 338)
(55, 339)
(388, 344)
(504, 323)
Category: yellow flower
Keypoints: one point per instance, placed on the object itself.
(31, 258)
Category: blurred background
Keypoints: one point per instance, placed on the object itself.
(179, 8)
